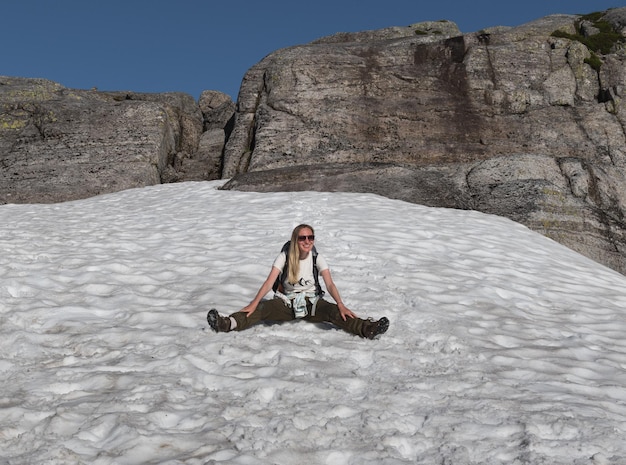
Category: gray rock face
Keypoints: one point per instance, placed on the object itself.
(59, 144)
(510, 121)
(518, 122)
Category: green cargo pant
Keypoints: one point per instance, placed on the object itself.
(277, 310)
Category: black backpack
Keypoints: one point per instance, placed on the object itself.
(278, 284)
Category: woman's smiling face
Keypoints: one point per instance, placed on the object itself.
(305, 241)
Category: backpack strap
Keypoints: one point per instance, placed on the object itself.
(278, 284)
(316, 274)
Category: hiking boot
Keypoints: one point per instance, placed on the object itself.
(220, 324)
(371, 329)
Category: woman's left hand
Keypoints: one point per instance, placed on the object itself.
(332, 290)
(345, 312)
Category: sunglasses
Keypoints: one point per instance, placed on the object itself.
(304, 238)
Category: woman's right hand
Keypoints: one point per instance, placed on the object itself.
(249, 309)
(265, 288)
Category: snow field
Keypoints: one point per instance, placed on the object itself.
(504, 347)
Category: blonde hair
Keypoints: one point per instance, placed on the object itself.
(294, 253)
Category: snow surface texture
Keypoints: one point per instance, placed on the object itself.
(504, 347)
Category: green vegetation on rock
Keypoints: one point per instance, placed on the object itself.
(601, 43)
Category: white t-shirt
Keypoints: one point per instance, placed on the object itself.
(306, 281)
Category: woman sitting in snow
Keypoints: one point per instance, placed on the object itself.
(299, 294)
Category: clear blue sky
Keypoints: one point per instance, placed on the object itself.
(195, 45)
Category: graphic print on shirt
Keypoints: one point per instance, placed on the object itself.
(306, 279)
(305, 282)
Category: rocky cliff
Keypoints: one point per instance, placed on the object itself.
(525, 122)
(59, 144)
